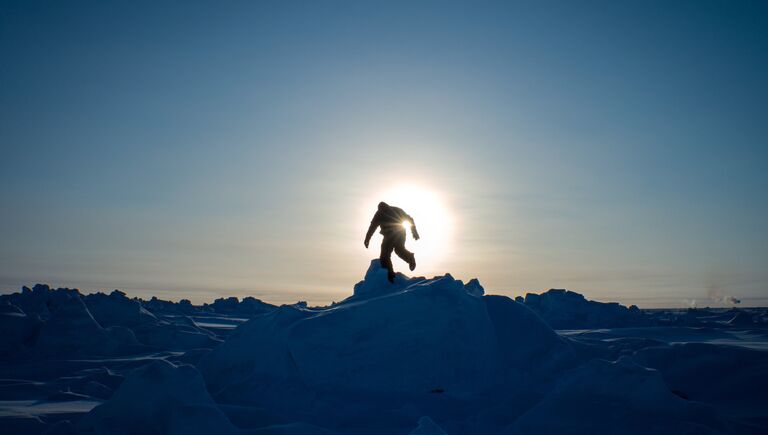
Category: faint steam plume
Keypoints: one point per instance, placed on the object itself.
(719, 295)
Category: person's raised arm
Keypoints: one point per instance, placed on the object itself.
(371, 229)
(414, 232)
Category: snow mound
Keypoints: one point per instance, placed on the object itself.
(72, 330)
(375, 283)
(156, 305)
(524, 341)
(418, 337)
(733, 378)
(179, 335)
(159, 398)
(116, 309)
(615, 397)
(249, 306)
(427, 427)
(32, 301)
(18, 328)
(564, 309)
(741, 318)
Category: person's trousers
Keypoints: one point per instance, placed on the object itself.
(394, 242)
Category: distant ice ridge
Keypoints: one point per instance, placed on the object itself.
(63, 322)
(563, 309)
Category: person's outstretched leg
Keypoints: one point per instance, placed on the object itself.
(405, 254)
(385, 259)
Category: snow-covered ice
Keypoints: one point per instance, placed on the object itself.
(420, 356)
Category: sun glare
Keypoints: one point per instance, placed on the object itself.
(433, 222)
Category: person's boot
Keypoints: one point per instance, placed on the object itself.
(391, 276)
(412, 262)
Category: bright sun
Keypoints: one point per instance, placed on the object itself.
(432, 218)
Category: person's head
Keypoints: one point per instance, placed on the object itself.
(383, 205)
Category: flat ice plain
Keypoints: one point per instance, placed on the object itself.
(422, 356)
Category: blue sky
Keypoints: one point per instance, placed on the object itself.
(196, 149)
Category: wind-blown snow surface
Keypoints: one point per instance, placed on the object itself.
(421, 356)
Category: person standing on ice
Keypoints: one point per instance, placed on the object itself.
(392, 221)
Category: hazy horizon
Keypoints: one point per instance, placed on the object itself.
(198, 151)
(200, 296)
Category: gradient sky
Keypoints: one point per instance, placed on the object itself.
(200, 149)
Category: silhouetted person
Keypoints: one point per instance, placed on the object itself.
(391, 220)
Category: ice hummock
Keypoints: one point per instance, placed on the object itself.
(564, 309)
(159, 398)
(411, 337)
